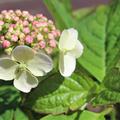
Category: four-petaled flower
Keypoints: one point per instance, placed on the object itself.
(70, 49)
(24, 67)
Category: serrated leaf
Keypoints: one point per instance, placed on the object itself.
(92, 32)
(113, 34)
(111, 93)
(57, 94)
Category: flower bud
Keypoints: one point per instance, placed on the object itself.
(5, 44)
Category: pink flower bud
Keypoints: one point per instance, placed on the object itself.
(45, 29)
(1, 22)
(26, 30)
(52, 43)
(18, 12)
(39, 36)
(10, 29)
(4, 12)
(42, 44)
(49, 50)
(25, 23)
(25, 13)
(39, 15)
(5, 44)
(16, 18)
(58, 33)
(35, 22)
(11, 11)
(31, 18)
(2, 38)
(29, 39)
(50, 36)
(14, 38)
(50, 21)
(54, 33)
(33, 34)
(13, 25)
(41, 24)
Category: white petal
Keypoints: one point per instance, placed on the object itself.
(68, 39)
(23, 53)
(78, 50)
(25, 81)
(67, 64)
(7, 69)
(40, 65)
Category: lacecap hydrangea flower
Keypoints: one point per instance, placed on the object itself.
(21, 28)
(24, 67)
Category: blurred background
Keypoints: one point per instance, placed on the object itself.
(37, 6)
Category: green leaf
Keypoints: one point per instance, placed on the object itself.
(83, 12)
(67, 4)
(61, 117)
(19, 115)
(7, 115)
(87, 115)
(101, 30)
(58, 10)
(57, 94)
(13, 115)
(92, 30)
(9, 97)
(113, 33)
(111, 93)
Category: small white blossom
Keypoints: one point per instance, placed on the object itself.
(24, 67)
(70, 49)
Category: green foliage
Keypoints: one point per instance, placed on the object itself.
(111, 93)
(19, 115)
(60, 13)
(7, 115)
(61, 117)
(99, 31)
(57, 94)
(9, 97)
(12, 114)
(85, 115)
(92, 32)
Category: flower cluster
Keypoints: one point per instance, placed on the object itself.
(21, 28)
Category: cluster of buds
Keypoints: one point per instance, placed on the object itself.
(21, 28)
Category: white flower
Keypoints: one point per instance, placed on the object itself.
(24, 67)
(70, 49)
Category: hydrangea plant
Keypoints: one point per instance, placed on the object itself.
(69, 73)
